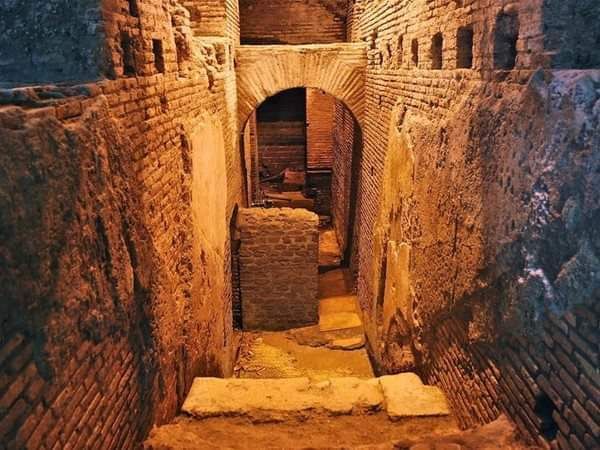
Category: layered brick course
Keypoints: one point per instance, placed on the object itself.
(115, 293)
(293, 21)
(548, 385)
(320, 114)
(278, 268)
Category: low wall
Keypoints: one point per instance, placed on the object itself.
(278, 268)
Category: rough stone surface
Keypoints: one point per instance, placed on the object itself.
(406, 396)
(489, 205)
(37, 44)
(114, 297)
(278, 399)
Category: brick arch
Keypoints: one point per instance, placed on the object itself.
(264, 71)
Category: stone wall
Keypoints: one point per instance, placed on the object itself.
(546, 384)
(472, 215)
(37, 45)
(572, 35)
(292, 21)
(116, 290)
(278, 268)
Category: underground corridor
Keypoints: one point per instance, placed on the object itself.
(300, 224)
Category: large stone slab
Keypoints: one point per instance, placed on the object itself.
(405, 395)
(338, 313)
(279, 399)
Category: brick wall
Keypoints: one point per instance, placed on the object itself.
(319, 182)
(122, 267)
(450, 169)
(282, 145)
(546, 384)
(345, 159)
(320, 115)
(292, 21)
(281, 129)
(278, 267)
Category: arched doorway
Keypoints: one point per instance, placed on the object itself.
(302, 148)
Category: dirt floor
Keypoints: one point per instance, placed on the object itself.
(279, 355)
(375, 432)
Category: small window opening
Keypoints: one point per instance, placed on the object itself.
(505, 41)
(544, 407)
(128, 55)
(133, 8)
(415, 52)
(159, 59)
(464, 48)
(437, 45)
(400, 50)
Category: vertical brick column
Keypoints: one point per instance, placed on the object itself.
(279, 268)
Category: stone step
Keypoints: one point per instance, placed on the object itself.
(279, 399)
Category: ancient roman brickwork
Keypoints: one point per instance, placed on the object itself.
(214, 18)
(263, 71)
(292, 21)
(344, 182)
(547, 385)
(281, 145)
(320, 110)
(281, 127)
(278, 267)
(116, 293)
(447, 86)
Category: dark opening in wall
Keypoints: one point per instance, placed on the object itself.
(414, 48)
(159, 59)
(133, 8)
(437, 45)
(164, 103)
(505, 41)
(464, 48)
(400, 50)
(128, 55)
(544, 407)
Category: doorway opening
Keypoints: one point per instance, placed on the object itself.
(302, 148)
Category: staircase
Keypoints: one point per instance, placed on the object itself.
(276, 400)
(313, 388)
